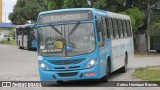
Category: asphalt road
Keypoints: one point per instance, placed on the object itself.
(18, 64)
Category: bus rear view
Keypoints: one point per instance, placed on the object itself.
(68, 46)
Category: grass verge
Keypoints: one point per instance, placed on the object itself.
(11, 42)
(149, 73)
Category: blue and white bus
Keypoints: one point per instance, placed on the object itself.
(25, 36)
(82, 43)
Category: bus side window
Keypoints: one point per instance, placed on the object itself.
(22, 31)
(124, 28)
(99, 30)
(19, 31)
(110, 28)
(120, 28)
(105, 28)
(115, 28)
(129, 28)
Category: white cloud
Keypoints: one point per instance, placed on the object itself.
(7, 7)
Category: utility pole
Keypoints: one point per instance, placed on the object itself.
(148, 25)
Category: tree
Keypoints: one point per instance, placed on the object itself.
(12, 33)
(142, 4)
(111, 5)
(17, 13)
(146, 6)
(137, 18)
(54, 4)
(75, 4)
(99, 4)
(155, 29)
(24, 11)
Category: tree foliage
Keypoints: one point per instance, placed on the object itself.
(54, 4)
(58, 4)
(12, 33)
(75, 4)
(142, 4)
(112, 5)
(137, 18)
(99, 4)
(24, 11)
(155, 17)
(155, 29)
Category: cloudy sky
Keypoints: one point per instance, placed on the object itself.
(7, 8)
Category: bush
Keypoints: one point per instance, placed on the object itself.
(11, 42)
(149, 73)
(155, 29)
(137, 18)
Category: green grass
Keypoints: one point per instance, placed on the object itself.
(149, 73)
(7, 28)
(3, 28)
(11, 42)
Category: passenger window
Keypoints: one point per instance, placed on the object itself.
(124, 28)
(105, 28)
(109, 28)
(99, 30)
(115, 28)
(129, 28)
(120, 28)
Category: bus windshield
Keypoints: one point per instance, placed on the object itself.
(66, 40)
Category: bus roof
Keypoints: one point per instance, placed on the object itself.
(26, 25)
(65, 10)
(116, 15)
(93, 10)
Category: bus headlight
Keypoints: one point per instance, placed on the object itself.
(43, 66)
(91, 63)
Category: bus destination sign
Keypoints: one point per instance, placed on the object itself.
(65, 17)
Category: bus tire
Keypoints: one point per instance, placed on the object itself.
(20, 47)
(108, 70)
(60, 82)
(124, 68)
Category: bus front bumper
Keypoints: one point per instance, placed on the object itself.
(92, 73)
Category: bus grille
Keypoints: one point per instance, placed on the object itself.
(67, 74)
(66, 62)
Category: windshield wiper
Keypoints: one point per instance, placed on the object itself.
(74, 28)
(55, 29)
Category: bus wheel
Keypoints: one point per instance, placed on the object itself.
(20, 47)
(108, 70)
(60, 82)
(124, 68)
